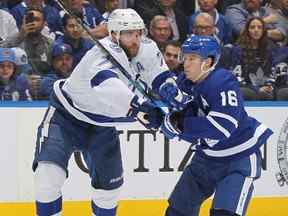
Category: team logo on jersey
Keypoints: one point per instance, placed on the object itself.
(211, 142)
(115, 47)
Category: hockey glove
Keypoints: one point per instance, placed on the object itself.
(147, 114)
(173, 96)
(172, 124)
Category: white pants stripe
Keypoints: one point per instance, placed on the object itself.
(243, 195)
(46, 123)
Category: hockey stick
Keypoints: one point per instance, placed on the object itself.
(79, 162)
(147, 92)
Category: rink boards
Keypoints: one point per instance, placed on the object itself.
(152, 166)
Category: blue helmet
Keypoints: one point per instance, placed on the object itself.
(7, 54)
(204, 46)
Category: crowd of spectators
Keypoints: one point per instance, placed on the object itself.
(40, 43)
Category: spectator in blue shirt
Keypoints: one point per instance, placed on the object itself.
(53, 4)
(13, 87)
(62, 61)
(223, 30)
(11, 3)
(51, 15)
(90, 16)
(73, 37)
(223, 4)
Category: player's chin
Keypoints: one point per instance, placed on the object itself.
(188, 75)
(133, 51)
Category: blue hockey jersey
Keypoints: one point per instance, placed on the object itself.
(221, 125)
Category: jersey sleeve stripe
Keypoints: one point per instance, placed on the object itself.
(225, 116)
(218, 126)
(239, 148)
(102, 76)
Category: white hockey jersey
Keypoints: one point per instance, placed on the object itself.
(98, 93)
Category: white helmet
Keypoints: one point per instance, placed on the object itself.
(124, 19)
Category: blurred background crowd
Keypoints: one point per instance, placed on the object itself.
(40, 43)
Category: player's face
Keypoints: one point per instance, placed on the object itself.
(6, 70)
(73, 29)
(63, 64)
(207, 5)
(130, 42)
(161, 31)
(192, 66)
(255, 30)
(171, 56)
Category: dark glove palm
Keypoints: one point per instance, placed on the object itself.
(146, 113)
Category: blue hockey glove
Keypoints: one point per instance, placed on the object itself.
(173, 96)
(147, 114)
(172, 125)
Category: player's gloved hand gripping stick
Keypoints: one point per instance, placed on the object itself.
(171, 95)
(149, 115)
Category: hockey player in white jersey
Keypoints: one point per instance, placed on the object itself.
(85, 108)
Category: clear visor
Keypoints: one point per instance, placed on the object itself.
(130, 33)
(182, 56)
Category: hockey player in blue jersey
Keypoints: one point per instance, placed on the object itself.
(85, 108)
(227, 158)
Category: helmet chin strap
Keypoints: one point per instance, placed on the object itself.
(204, 72)
(118, 38)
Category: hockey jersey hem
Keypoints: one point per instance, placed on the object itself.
(261, 135)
